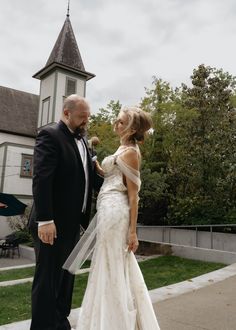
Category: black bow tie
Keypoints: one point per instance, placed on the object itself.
(77, 136)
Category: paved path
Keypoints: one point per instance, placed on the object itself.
(207, 302)
(210, 308)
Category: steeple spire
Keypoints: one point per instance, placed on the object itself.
(65, 53)
(68, 9)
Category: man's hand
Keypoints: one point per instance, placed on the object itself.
(47, 233)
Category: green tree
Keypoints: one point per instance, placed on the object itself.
(189, 160)
(160, 101)
(210, 193)
(101, 125)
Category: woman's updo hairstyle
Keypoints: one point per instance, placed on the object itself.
(139, 122)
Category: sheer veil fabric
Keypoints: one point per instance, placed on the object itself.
(116, 295)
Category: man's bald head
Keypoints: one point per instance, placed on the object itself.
(76, 112)
(73, 101)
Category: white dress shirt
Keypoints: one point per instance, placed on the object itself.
(84, 157)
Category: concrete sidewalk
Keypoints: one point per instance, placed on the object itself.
(210, 308)
(207, 302)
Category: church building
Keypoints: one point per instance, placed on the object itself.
(23, 114)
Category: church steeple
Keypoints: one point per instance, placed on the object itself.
(64, 74)
(65, 53)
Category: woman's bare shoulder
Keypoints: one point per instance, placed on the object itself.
(131, 157)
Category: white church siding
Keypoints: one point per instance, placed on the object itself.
(58, 101)
(81, 84)
(13, 182)
(46, 96)
(16, 139)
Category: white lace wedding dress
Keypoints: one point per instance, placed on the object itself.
(116, 296)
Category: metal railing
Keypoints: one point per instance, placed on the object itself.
(196, 227)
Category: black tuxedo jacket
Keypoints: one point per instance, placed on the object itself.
(59, 180)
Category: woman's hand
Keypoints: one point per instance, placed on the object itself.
(132, 242)
(98, 168)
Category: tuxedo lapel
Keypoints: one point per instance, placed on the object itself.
(67, 132)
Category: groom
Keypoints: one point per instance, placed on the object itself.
(62, 191)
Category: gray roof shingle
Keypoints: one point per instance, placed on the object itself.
(18, 112)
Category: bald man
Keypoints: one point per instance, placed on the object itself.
(62, 189)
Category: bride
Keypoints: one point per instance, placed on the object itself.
(116, 296)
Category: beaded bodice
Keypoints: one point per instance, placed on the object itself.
(114, 168)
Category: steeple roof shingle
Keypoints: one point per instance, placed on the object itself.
(65, 54)
(66, 50)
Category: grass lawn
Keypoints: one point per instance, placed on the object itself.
(158, 272)
(168, 270)
(16, 274)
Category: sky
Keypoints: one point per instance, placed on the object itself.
(123, 42)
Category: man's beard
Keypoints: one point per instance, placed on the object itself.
(80, 131)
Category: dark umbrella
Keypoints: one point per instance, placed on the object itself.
(10, 205)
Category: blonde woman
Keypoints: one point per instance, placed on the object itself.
(116, 296)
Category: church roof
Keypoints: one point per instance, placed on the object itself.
(65, 54)
(18, 112)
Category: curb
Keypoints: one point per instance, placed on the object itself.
(30, 279)
(17, 267)
(174, 290)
